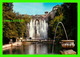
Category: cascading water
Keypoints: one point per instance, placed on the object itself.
(38, 29)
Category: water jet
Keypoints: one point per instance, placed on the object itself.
(65, 43)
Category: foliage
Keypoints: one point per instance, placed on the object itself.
(13, 29)
(53, 23)
(70, 19)
(67, 14)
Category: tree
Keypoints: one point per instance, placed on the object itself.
(53, 23)
(13, 28)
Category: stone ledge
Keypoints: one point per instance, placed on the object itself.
(68, 52)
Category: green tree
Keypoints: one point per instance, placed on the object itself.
(53, 23)
(13, 29)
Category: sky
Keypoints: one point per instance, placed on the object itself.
(33, 8)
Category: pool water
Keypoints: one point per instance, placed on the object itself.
(34, 48)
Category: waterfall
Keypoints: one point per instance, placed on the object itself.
(38, 29)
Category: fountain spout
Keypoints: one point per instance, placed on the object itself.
(63, 28)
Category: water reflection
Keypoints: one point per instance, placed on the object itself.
(34, 48)
(38, 49)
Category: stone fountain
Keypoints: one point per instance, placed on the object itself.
(65, 43)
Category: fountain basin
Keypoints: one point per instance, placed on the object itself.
(67, 43)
